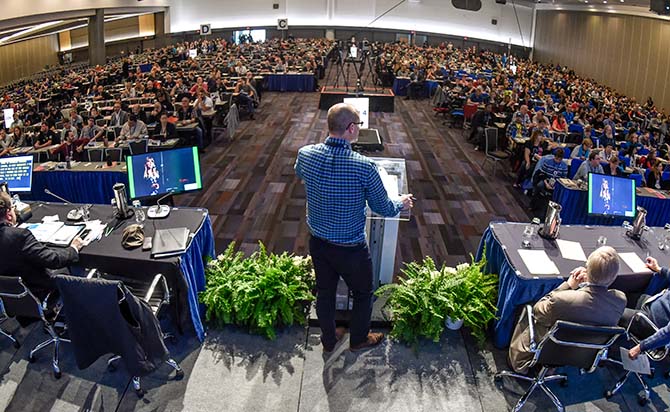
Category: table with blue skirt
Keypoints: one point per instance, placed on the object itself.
(185, 272)
(574, 203)
(400, 85)
(290, 82)
(517, 287)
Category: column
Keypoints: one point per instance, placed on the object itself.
(96, 38)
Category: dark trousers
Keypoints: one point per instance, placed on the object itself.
(354, 265)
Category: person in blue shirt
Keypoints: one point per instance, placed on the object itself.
(657, 308)
(339, 185)
(548, 169)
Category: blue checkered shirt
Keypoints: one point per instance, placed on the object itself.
(339, 182)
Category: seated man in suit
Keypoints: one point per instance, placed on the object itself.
(657, 308)
(583, 298)
(591, 166)
(24, 256)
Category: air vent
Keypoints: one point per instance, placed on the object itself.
(472, 5)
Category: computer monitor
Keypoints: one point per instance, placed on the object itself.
(611, 196)
(169, 171)
(17, 172)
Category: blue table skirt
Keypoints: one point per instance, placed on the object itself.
(400, 87)
(575, 206)
(290, 83)
(77, 187)
(513, 291)
(193, 269)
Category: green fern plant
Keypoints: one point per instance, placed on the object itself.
(426, 295)
(262, 292)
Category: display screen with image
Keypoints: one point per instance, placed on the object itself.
(611, 195)
(159, 173)
(17, 172)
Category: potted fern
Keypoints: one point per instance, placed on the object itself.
(427, 298)
(262, 292)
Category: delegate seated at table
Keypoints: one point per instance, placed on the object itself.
(44, 138)
(133, 129)
(164, 130)
(24, 256)
(591, 166)
(657, 308)
(583, 298)
(72, 147)
(92, 131)
(548, 169)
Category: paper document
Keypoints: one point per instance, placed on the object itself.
(634, 262)
(538, 262)
(96, 228)
(639, 364)
(571, 250)
(43, 231)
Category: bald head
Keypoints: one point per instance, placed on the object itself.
(340, 119)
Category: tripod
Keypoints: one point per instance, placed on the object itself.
(371, 71)
(336, 60)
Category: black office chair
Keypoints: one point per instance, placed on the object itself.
(565, 344)
(639, 327)
(113, 318)
(138, 146)
(491, 146)
(115, 155)
(19, 301)
(3, 318)
(96, 155)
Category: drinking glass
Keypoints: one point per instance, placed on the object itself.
(527, 236)
(602, 241)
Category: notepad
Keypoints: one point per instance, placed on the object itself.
(169, 242)
(54, 233)
(571, 250)
(634, 262)
(538, 262)
(639, 364)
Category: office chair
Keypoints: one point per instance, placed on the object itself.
(565, 344)
(110, 310)
(138, 146)
(115, 155)
(3, 318)
(96, 155)
(491, 147)
(19, 301)
(641, 325)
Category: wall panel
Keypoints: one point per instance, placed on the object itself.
(628, 53)
(24, 58)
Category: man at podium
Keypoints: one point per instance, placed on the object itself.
(339, 184)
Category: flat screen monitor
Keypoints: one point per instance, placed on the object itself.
(170, 171)
(611, 196)
(17, 172)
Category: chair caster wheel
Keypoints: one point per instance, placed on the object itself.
(16, 344)
(32, 359)
(140, 393)
(497, 378)
(564, 383)
(642, 400)
(179, 375)
(58, 374)
(608, 394)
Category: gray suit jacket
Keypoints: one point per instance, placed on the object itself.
(590, 305)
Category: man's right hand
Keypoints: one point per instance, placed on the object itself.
(407, 202)
(652, 264)
(77, 243)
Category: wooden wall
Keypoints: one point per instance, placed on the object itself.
(24, 58)
(628, 53)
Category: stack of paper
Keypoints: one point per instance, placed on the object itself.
(634, 262)
(538, 262)
(571, 250)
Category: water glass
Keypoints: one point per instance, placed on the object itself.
(602, 241)
(528, 232)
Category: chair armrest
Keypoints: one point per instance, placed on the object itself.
(531, 327)
(158, 278)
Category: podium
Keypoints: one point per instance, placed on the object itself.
(381, 232)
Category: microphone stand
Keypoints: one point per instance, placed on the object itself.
(74, 214)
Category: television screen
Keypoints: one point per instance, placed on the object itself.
(17, 172)
(159, 173)
(611, 195)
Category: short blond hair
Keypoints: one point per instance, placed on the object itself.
(602, 266)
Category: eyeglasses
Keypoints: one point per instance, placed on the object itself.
(359, 124)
